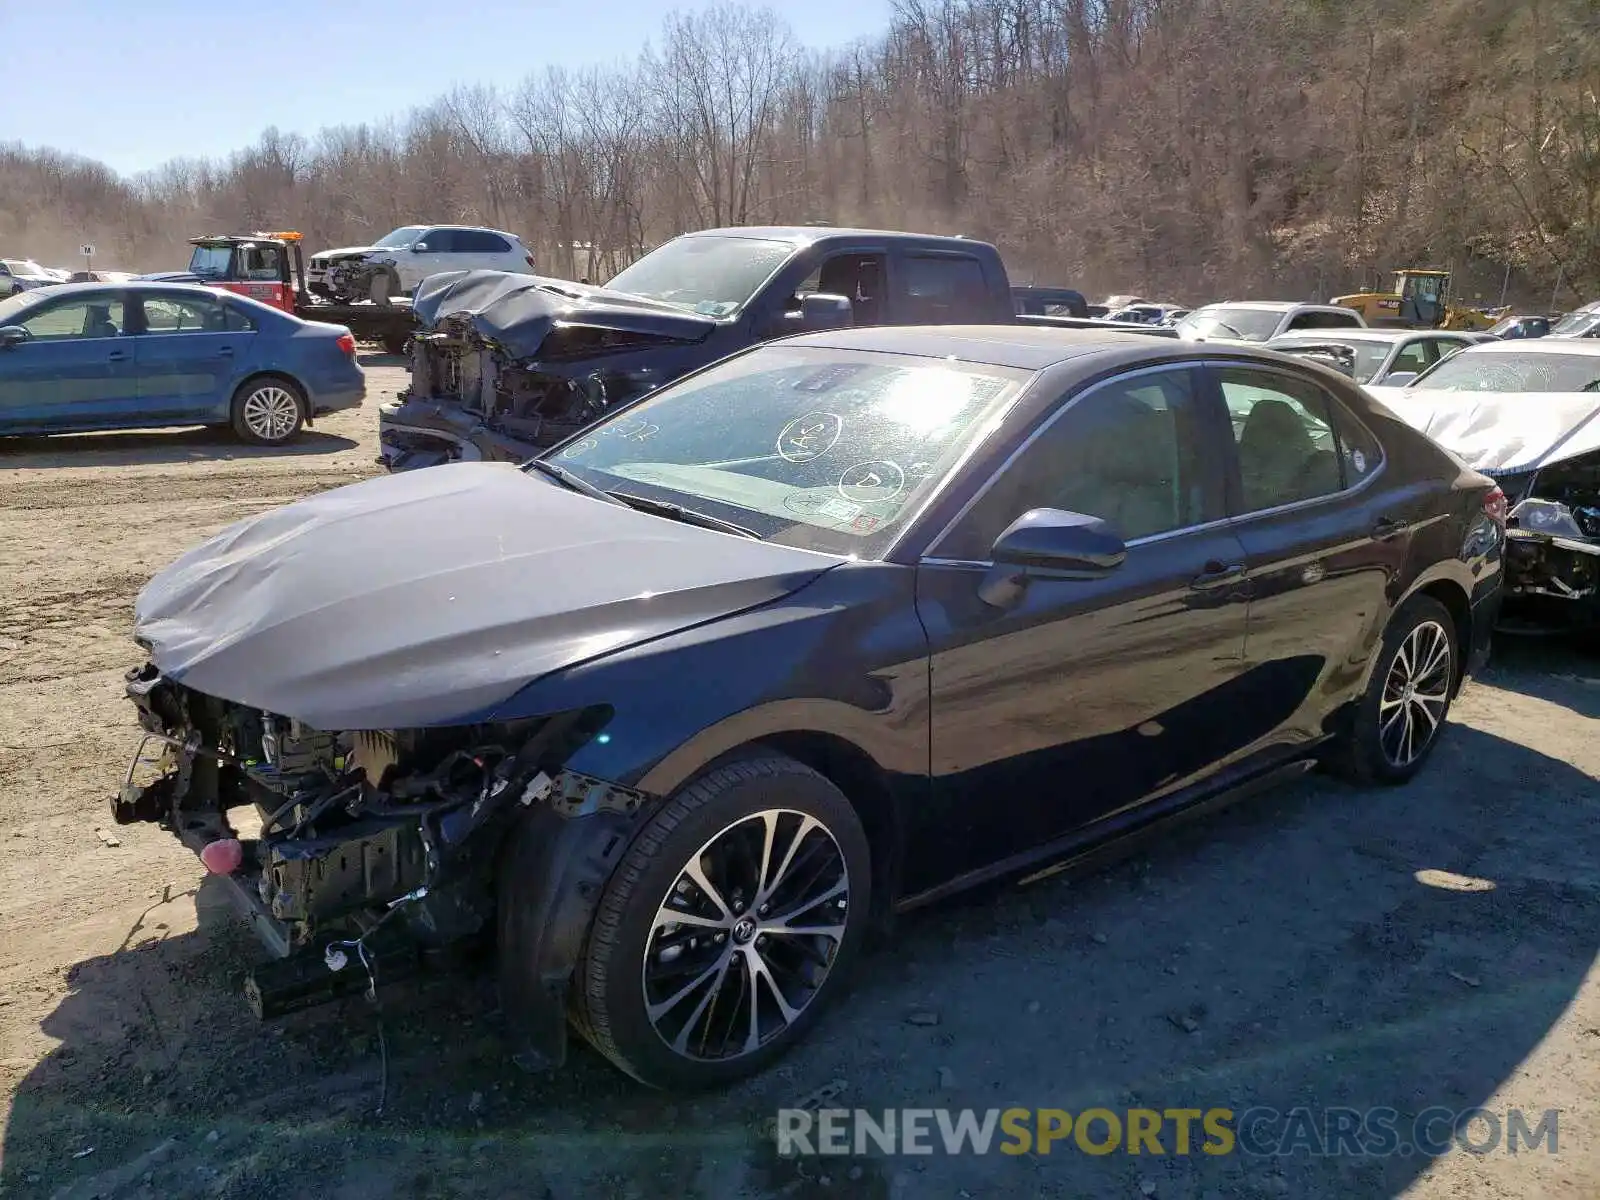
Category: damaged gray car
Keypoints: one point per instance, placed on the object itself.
(1527, 413)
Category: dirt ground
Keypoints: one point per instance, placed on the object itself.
(1283, 953)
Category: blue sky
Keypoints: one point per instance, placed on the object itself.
(135, 83)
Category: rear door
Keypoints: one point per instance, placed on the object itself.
(75, 370)
(191, 349)
(1072, 700)
(1324, 534)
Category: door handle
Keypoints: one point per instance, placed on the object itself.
(1385, 528)
(225, 352)
(1217, 575)
(117, 356)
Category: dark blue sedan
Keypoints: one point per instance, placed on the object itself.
(88, 356)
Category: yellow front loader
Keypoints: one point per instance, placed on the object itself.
(1420, 300)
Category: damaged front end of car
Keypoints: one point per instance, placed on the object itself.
(506, 365)
(1553, 547)
(364, 852)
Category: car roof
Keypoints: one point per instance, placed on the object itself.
(1279, 306)
(1588, 346)
(116, 285)
(1356, 334)
(805, 235)
(1022, 347)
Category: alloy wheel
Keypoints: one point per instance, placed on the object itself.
(1416, 693)
(746, 935)
(271, 413)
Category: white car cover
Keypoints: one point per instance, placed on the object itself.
(1500, 432)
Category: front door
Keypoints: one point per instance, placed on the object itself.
(75, 370)
(190, 350)
(1072, 700)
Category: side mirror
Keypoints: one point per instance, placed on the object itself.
(1398, 378)
(820, 310)
(1053, 542)
(12, 335)
(419, 248)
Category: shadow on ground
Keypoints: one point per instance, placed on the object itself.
(1562, 670)
(1283, 953)
(148, 447)
(382, 358)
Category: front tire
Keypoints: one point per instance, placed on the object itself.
(268, 411)
(1399, 718)
(730, 920)
(381, 288)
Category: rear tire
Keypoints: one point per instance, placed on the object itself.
(268, 411)
(1398, 720)
(700, 923)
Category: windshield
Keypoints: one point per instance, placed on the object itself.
(1369, 355)
(404, 236)
(211, 262)
(713, 276)
(1504, 326)
(1251, 324)
(829, 450)
(1512, 371)
(1576, 319)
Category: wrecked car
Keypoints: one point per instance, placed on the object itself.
(503, 366)
(1528, 414)
(671, 713)
(397, 262)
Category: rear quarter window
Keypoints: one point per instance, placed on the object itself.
(1360, 453)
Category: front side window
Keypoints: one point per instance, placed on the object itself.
(186, 315)
(830, 450)
(80, 317)
(438, 241)
(1281, 427)
(1128, 452)
(1415, 357)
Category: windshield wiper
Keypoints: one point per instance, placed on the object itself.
(679, 513)
(565, 477)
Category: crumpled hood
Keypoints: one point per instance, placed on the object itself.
(1500, 432)
(342, 251)
(516, 311)
(429, 596)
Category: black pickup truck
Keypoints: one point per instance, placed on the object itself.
(505, 365)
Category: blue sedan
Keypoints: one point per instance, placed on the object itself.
(88, 356)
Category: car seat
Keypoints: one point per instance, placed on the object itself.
(98, 324)
(1278, 461)
(1124, 470)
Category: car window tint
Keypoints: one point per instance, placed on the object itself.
(1127, 452)
(940, 286)
(168, 314)
(441, 241)
(1287, 450)
(480, 241)
(89, 317)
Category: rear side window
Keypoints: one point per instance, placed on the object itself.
(1325, 320)
(1281, 426)
(1359, 452)
(941, 287)
(480, 241)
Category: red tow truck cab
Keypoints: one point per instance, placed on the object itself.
(264, 266)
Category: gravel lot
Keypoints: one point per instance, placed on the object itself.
(1283, 953)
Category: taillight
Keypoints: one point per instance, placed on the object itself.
(531, 264)
(347, 344)
(1494, 506)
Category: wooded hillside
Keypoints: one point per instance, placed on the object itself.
(1184, 149)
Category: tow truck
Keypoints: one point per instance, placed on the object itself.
(270, 267)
